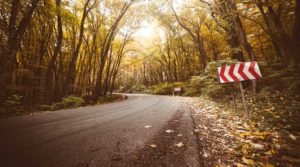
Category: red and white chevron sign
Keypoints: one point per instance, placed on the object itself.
(239, 72)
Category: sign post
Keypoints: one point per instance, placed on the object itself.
(239, 72)
(243, 97)
(234, 102)
(178, 89)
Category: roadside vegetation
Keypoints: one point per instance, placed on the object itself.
(13, 106)
(54, 54)
(64, 54)
(266, 136)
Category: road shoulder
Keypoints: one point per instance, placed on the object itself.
(175, 145)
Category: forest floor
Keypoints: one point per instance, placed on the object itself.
(269, 138)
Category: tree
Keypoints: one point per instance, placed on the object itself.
(69, 83)
(16, 31)
(196, 36)
(105, 49)
(57, 50)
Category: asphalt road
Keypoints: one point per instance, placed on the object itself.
(87, 136)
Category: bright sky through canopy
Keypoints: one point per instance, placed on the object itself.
(149, 27)
(147, 30)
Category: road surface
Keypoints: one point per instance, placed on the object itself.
(86, 136)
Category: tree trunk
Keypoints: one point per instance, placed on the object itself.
(197, 39)
(226, 9)
(296, 37)
(15, 36)
(50, 69)
(108, 40)
(108, 74)
(71, 76)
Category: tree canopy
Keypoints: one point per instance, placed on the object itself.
(51, 49)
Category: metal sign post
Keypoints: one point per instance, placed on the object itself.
(178, 89)
(243, 97)
(234, 102)
(239, 72)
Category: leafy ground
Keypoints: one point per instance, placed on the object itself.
(270, 137)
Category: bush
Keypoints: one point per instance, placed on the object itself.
(166, 88)
(13, 101)
(207, 83)
(57, 106)
(280, 79)
(149, 90)
(138, 88)
(106, 99)
(71, 102)
(44, 107)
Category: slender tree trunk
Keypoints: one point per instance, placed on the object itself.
(197, 39)
(226, 9)
(296, 37)
(50, 69)
(15, 36)
(108, 40)
(201, 50)
(108, 74)
(280, 38)
(71, 76)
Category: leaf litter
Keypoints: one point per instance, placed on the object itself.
(153, 145)
(169, 131)
(268, 139)
(148, 126)
(180, 144)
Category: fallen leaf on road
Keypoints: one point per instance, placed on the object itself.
(240, 165)
(153, 145)
(272, 151)
(148, 126)
(269, 165)
(180, 144)
(169, 131)
(257, 146)
(205, 154)
(248, 161)
(293, 137)
(246, 125)
(245, 149)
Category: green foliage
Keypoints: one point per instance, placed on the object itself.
(12, 101)
(105, 99)
(280, 78)
(207, 82)
(110, 98)
(12, 106)
(44, 107)
(71, 102)
(166, 88)
(138, 88)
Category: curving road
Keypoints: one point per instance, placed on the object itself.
(87, 136)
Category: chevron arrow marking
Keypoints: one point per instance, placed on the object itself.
(239, 72)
